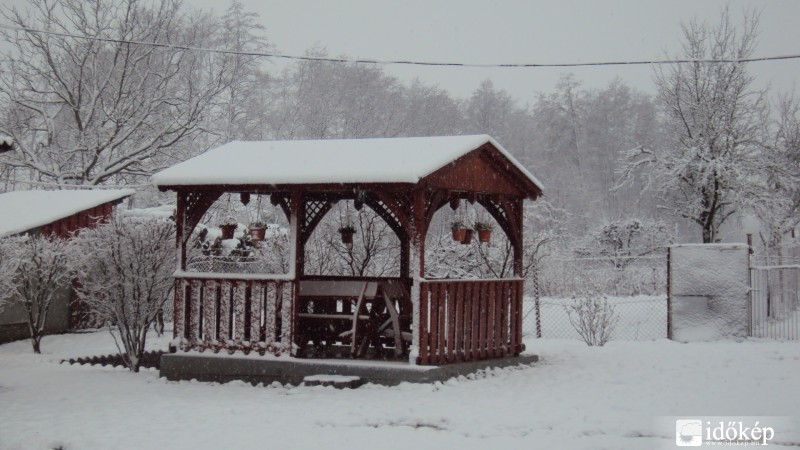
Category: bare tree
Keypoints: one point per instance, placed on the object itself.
(779, 203)
(33, 271)
(125, 268)
(88, 98)
(715, 125)
(375, 250)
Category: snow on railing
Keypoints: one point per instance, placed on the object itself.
(233, 314)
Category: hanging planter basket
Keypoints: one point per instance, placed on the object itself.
(227, 230)
(484, 231)
(347, 233)
(257, 231)
(459, 230)
(467, 237)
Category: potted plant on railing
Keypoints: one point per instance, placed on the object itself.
(347, 233)
(257, 230)
(467, 236)
(228, 227)
(459, 230)
(484, 231)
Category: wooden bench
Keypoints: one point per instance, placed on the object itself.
(337, 310)
(327, 313)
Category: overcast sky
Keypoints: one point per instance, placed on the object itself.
(518, 31)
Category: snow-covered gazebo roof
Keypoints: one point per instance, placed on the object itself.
(26, 210)
(346, 161)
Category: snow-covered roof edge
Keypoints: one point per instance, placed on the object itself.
(34, 209)
(198, 170)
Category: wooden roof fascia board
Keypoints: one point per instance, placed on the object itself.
(495, 156)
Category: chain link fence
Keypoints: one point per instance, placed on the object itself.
(634, 288)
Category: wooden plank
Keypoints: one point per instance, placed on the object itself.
(209, 311)
(441, 347)
(194, 318)
(482, 313)
(513, 344)
(178, 309)
(490, 325)
(237, 316)
(504, 303)
(434, 324)
(459, 320)
(452, 293)
(498, 315)
(288, 311)
(257, 310)
(337, 288)
(518, 317)
(476, 321)
(270, 313)
(225, 312)
(422, 336)
(468, 322)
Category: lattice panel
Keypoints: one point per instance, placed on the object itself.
(387, 214)
(197, 203)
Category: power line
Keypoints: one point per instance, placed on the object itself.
(404, 62)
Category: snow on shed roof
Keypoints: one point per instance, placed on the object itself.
(25, 210)
(381, 160)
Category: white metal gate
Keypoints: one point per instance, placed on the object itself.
(774, 301)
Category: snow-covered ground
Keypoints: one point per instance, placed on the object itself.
(640, 317)
(575, 397)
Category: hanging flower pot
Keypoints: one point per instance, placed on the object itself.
(228, 227)
(258, 231)
(467, 237)
(347, 233)
(484, 231)
(459, 229)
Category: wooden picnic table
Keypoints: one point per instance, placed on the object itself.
(361, 312)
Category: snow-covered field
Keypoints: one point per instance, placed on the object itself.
(575, 397)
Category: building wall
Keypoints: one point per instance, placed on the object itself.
(13, 318)
(14, 322)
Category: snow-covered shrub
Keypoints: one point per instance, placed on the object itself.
(593, 318)
(33, 269)
(125, 268)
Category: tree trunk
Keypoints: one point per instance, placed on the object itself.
(36, 341)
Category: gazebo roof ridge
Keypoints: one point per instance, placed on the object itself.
(333, 161)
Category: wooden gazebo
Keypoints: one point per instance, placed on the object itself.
(405, 181)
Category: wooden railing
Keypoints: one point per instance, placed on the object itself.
(467, 320)
(233, 314)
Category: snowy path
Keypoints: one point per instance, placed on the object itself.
(576, 397)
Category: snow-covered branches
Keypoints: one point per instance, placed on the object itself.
(33, 270)
(715, 128)
(81, 111)
(125, 268)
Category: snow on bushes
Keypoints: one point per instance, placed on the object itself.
(125, 268)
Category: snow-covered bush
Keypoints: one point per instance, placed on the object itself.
(593, 318)
(33, 269)
(125, 268)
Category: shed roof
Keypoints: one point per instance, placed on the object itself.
(25, 210)
(381, 160)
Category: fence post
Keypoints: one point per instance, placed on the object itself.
(750, 284)
(669, 299)
(536, 299)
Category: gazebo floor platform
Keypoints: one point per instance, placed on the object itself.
(286, 370)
